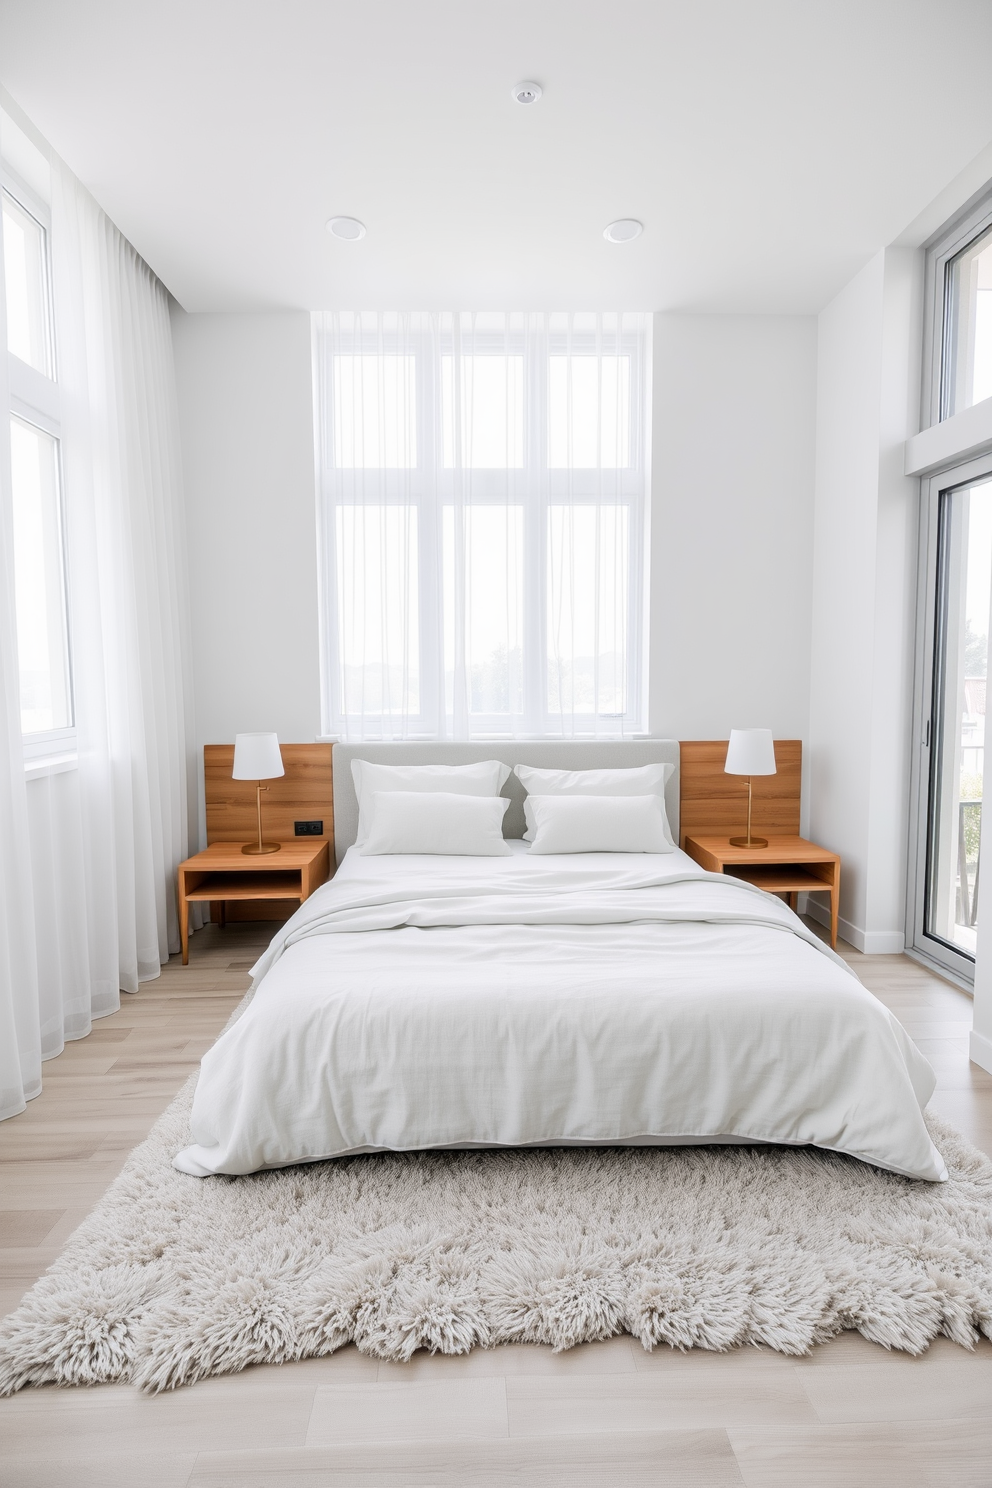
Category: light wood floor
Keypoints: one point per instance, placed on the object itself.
(603, 1416)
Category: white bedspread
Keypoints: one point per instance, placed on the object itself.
(418, 1002)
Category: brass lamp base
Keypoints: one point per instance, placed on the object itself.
(747, 841)
(260, 846)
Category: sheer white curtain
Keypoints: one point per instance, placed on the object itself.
(483, 482)
(127, 598)
(20, 1033)
(88, 856)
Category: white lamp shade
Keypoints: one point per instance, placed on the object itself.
(750, 752)
(257, 757)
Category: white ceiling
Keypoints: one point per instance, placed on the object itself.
(768, 146)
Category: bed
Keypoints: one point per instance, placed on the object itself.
(419, 1002)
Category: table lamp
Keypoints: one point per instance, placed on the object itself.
(257, 757)
(750, 752)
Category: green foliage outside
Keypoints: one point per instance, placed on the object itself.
(971, 790)
(976, 652)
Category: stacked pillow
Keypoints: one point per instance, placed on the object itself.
(437, 822)
(450, 809)
(573, 811)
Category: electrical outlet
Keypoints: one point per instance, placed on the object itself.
(309, 828)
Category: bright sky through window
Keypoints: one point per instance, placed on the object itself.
(378, 589)
(587, 608)
(489, 391)
(983, 332)
(968, 346)
(24, 273)
(979, 558)
(38, 580)
(589, 412)
(484, 607)
(375, 412)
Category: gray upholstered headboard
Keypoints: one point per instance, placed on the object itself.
(561, 754)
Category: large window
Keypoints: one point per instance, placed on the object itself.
(958, 543)
(36, 476)
(482, 483)
(955, 577)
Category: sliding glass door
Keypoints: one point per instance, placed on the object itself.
(957, 549)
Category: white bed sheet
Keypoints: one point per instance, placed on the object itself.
(420, 1002)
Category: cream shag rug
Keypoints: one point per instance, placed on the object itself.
(173, 1278)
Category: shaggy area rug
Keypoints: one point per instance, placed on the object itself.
(173, 1278)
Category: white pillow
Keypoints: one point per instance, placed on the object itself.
(437, 822)
(486, 778)
(580, 824)
(642, 780)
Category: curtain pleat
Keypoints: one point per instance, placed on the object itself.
(20, 1014)
(127, 597)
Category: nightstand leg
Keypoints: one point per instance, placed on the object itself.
(834, 914)
(184, 923)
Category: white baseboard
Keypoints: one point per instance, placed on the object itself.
(980, 1050)
(879, 942)
(870, 942)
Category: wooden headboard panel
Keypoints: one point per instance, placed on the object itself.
(304, 793)
(715, 804)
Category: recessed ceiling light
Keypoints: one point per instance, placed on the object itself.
(526, 92)
(623, 231)
(349, 229)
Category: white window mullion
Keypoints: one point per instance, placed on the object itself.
(427, 499)
(535, 580)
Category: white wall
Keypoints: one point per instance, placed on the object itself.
(732, 524)
(864, 547)
(247, 428)
(895, 590)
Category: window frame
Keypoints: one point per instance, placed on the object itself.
(933, 950)
(415, 487)
(35, 400)
(970, 223)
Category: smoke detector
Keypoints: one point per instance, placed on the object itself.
(526, 92)
(348, 229)
(623, 231)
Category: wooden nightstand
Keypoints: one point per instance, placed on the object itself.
(222, 871)
(788, 865)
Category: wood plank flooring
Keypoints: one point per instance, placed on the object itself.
(606, 1415)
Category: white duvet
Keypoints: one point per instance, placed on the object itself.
(418, 1002)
